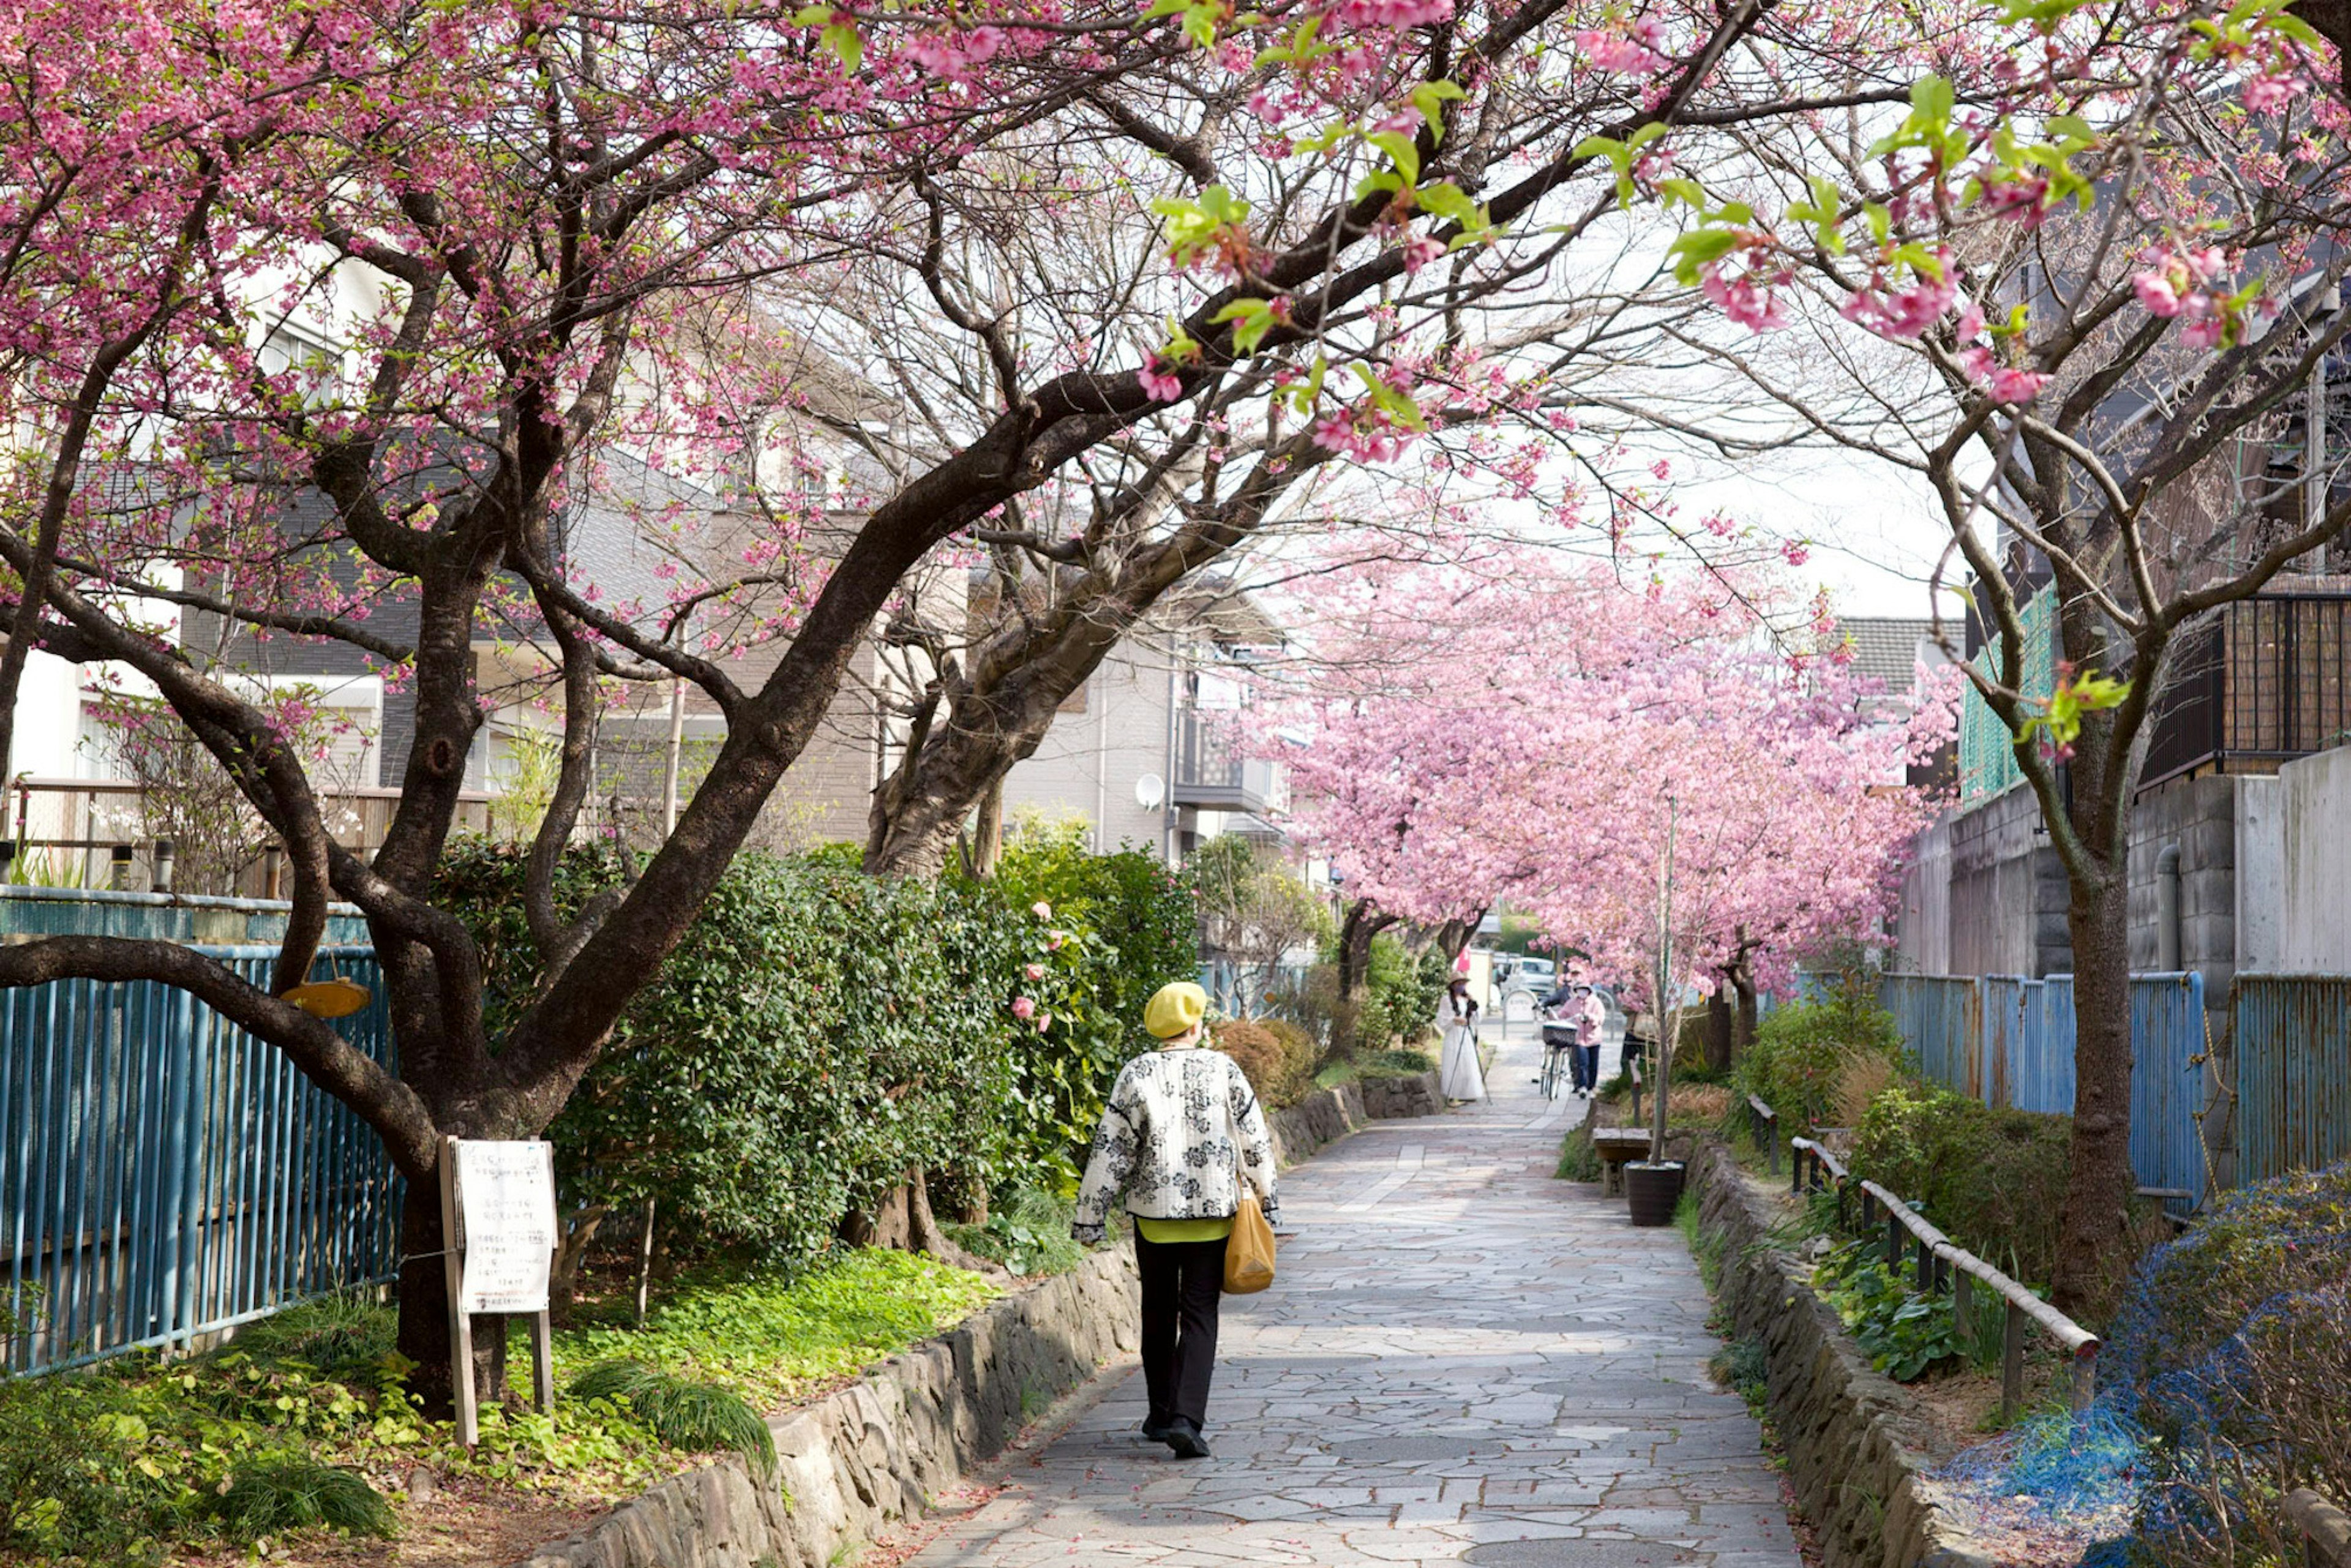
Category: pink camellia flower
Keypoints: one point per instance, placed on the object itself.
(1044, 1023)
(1054, 939)
(1024, 1008)
(1034, 971)
(1041, 910)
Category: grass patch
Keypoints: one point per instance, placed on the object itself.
(287, 1493)
(1578, 1160)
(1396, 1061)
(1029, 1234)
(699, 1418)
(777, 1338)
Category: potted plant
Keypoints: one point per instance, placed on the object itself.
(1653, 1187)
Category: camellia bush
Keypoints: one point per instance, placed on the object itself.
(822, 1032)
(1991, 1179)
(1802, 1052)
(1104, 932)
(819, 1034)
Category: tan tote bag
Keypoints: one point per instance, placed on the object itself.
(1249, 1251)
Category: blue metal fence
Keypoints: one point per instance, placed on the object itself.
(1941, 1017)
(162, 916)
(163, 1173)
(2008, 1040)
(2293, 1072)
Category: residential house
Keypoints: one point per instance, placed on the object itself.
(1149, 751)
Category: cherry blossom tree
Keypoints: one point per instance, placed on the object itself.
(1521, 732)
(548, 244)
(2084, 291)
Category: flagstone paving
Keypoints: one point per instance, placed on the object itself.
(1462, 1361)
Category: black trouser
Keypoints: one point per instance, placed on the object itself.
(1586, 1067)
(1182, 1282)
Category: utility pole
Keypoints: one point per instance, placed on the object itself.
(1667, 1025)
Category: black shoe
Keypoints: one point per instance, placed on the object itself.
(1155, 1430)
(1185, 1439)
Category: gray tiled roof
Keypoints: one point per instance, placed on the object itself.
(1885, 648)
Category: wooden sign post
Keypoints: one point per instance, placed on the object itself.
(497, 1221)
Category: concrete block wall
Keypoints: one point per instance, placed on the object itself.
(2198, 818)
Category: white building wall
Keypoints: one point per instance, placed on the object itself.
(2313, 917)
(1089, 764)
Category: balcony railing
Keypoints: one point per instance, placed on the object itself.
(1212, 772)
(2263, 682)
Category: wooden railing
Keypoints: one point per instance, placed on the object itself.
(1940, 1263)
(1763, 1126)
(2325, 1530)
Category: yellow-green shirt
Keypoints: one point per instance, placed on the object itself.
(1165, 1230)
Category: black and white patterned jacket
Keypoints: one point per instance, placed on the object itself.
(1166, 1142)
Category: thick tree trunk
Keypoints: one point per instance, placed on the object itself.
(424, 1328)
(1362, 923)
(1718, 1029)
(2093, 1228)
(988, 832)
(1742, 986)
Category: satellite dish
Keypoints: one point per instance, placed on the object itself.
(1150, 791)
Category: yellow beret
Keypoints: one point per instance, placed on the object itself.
(1175, 1008)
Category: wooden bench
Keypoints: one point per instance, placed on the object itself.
(1618, 1146)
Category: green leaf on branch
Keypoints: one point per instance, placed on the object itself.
(840, 36)
(1251, 319)
(1822, 213)
(1693, 251)
(1401, 148)
(1430, 97)
(1397, 405)
(1197, 227)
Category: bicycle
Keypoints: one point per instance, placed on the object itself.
(1559, 1055)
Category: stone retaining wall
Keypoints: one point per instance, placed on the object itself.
(850, 1465)
(1852, 1436)
(1328, 1114)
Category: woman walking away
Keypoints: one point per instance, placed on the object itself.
(1181, 1131)
(1458, 1074)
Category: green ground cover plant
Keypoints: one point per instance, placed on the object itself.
(303, 1423)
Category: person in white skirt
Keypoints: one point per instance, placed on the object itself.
(1458, 1074)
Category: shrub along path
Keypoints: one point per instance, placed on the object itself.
(1463, 1362)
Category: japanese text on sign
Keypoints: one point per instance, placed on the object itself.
(506, 1194)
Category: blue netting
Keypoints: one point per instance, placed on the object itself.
(2068, 1464)
(2222, 1383)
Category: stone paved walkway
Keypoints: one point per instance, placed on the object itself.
(1462, 1361)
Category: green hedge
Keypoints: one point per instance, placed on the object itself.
(1992, 1180)
(819, 1032)
(1802, 1049)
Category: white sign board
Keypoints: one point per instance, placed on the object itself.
(505, 1224)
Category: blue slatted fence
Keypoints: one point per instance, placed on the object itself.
(2293, 1072)
(2008, 1040)
(164, 1174)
